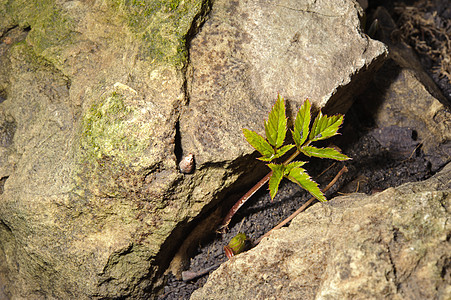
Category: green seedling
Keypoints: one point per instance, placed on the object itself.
(272, 147)
(237, 244)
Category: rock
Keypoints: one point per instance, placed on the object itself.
(409, 105)
(90, 188)
(400, 142)
(391, 245)
(100, 100)
(406, 97)
(248, 51)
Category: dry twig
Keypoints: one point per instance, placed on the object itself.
(303, 207)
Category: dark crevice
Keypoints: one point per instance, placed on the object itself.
(446, 270)
(198, 22)
(6, 31)
(196, 25)
(14, 34)
(6, 227)
(395, 273)
(178, 151)
(2, 184)
(3, 95)
(179, 234)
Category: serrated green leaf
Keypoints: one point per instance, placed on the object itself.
(276, 178)
(325, 127)
(301, 124)
(300, 176)
(281, 152)
(292, 165)
(324, 153)
(259, 143)
(266, 158)
(276, 126)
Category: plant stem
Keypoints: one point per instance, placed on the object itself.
(189, 275)
(249, 194)
(303, 207)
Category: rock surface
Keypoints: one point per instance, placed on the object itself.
(409, 105)
(92, 95)
(248, 51)
(391, 245)
(406, 97)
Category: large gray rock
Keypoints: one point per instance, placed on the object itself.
(405, 96)
(91, 92)
(91, 99)
(248, 51)
(391, 245)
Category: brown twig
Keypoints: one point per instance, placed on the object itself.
(190, 275)
(304, 206)
(249, 194)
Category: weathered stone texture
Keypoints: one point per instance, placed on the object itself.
(248, 51)
(92, 94)
(87, 116)
(405, 96)
(391, 245)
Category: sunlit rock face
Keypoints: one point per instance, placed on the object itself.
(391, 245)
(99, 102)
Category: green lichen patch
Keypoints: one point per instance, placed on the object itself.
(162, 26)
(52, 28)
(115, 128)
(158, 29)
(6, 20)
(23, 52)
(122, 138)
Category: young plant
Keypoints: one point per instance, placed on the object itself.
(272, 147)
(239, 243)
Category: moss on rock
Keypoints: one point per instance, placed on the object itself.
(161, 26)
(97, 87)
(51, 27)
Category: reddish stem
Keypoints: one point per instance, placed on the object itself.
(243, 200)
(304, 206)
(249, 194)
(190, 275)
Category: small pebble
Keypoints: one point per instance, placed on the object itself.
(186, 165)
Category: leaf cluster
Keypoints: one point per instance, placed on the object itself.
(272, 145)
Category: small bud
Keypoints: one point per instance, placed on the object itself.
(186, 165)
(237, 244)
(228, 252)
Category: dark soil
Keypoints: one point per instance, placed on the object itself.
(381, 158)
(373, 168)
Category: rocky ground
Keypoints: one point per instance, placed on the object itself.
(100, 100)
(382, 157)
(373, 168)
